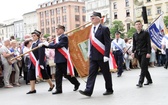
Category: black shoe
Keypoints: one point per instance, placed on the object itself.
(76, 87)
(57, 92)
(31, 92)
(165, 67)
(50, 89)
(119, 75)
(108, 93)
(148, 83)
(139, 85)
(84, 93)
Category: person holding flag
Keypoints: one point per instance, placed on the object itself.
(142, 50)
(164, 49)
(99, 55)
(37, 66)
(62, 59)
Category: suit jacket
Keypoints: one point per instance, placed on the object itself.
(63, 42)
(39, 55)
(103, 35)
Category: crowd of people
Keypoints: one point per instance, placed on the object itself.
(129, 53)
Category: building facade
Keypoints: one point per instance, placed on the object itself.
(2, 31)
(30, 22)
(128, 11)
(122, 10)
(18, 29)
(9, 30)
(154, 8)
(102, 6)
(70, 13)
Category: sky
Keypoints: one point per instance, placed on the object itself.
(14, 9)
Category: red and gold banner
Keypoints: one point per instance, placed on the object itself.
(78, 48)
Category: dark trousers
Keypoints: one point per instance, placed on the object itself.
(61, 70)
(93, 70)
(159, 59)
(166, 63)
(118, 55)
(143, 61)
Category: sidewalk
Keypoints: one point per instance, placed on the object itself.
(125, 92)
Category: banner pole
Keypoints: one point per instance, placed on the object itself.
(39, 47)
(154, 21)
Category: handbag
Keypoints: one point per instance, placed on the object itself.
(51, 62)
(125, 56)
(130, 57)
(9, 60)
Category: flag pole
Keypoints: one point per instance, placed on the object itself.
(39, 47)
(155, 20)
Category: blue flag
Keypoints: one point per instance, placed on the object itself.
(157, 31)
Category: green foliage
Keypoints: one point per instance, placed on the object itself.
(117, 26)
(130, 32)
(18, 39)
(166, 20)
(46, 35)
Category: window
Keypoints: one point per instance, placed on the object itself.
(159, 10)
(127, 3)
(47, 30)
(84, 18)
(83, 10)
(41, 14)
(148, 0)
(76, 8)
(64, 18)
(53, 30)
(114, 5)
(149, 12)
(46, 13)
(77, 18)
(58, 10)
(127, 13)
(52, 20)
(115, 15)
(128, 27)
(47, 22)
(58, 20)
(42, 30)
(63, 9)
(42, 22)
(52, 12)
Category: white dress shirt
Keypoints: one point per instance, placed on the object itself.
(120, 43)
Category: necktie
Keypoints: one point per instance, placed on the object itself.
(94, 30)
(33, 45)
(117, 40)
(115, 46)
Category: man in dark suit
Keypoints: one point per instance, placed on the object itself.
(39, 55)
(61, 61)
(142, 50)
(99, 58)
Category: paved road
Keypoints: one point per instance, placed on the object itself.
(125, 92)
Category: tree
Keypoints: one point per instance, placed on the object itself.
(117, 26)
(46, 35)
(130, 32)
(166, 20)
